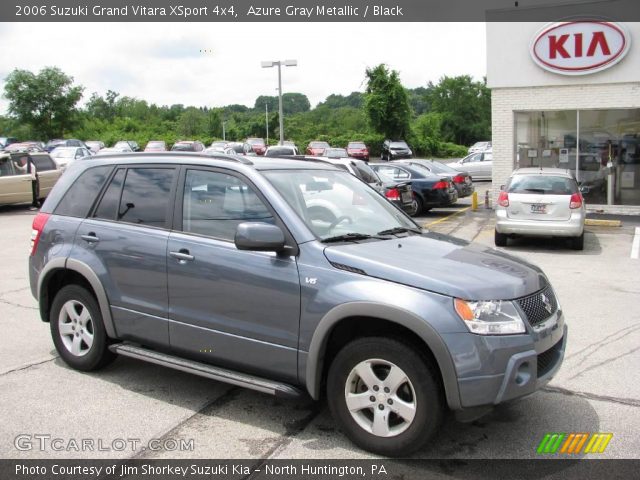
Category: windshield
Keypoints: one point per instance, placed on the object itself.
(357, 145)
(334, 203)
(335, 153)
(276, 151)
(319, 145)
(155, 145)
(398, 145)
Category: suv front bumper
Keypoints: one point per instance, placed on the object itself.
(496, 369)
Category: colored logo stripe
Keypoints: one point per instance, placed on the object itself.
(573, 443)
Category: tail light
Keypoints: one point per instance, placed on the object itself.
(576, 201)
(392, 194)
(39, 222)
(458, 179)
(503, 199)
(441, 185)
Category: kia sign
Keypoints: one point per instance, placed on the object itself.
(579, 48)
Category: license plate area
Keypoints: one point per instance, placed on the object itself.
(538, 208)
(407, 197)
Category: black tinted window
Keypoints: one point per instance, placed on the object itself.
(111, 198)
(214, 204)
(79, 198)
(43, 163)
(542, 184)
(145, 196)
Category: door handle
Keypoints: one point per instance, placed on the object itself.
(90, 237)
(182, 255)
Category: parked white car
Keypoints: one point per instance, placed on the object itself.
(540, 202)
(478, 165)
(63, 156)
(480, 147)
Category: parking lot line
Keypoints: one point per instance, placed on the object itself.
(444, 219)
(635, 246)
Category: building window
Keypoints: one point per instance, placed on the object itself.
(600, 147)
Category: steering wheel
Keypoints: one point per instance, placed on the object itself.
(338, 221)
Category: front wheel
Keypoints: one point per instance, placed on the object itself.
(385, 396)
(77, 329)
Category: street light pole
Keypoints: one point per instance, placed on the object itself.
(224, 133)
(266, 119)
(279, 63)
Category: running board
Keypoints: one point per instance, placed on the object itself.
(208, 371)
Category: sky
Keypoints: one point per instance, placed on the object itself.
(217, 64)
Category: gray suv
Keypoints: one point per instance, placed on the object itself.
(293, 278)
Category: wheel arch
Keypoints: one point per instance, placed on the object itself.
(61, 272)
(394, 320)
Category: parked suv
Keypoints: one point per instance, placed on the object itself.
(236, 269)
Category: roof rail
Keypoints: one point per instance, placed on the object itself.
(228, 157)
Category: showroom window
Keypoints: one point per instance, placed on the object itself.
(600, 147)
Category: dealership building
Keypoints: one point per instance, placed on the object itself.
(567, 95)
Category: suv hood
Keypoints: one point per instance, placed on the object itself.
(442, 264)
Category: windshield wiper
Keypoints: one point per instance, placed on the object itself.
(394, 230)
(350, 236)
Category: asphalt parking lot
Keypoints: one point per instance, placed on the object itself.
(597, 389)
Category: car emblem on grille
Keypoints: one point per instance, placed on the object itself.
(547, 302)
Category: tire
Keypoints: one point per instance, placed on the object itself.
(500, 239)
(419, 206)
(414, 209)
(418, 394)
(76, 309)
(577, 243)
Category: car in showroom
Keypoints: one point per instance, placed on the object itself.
(157, 256)
(540, 202)
(316, 147)
(478, 165)
(15, 181)
(358, 150)
(461, 180)
(429, 190)
(394, 149)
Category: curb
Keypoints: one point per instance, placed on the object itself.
(592, 222)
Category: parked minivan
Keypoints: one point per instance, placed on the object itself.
(219, 266)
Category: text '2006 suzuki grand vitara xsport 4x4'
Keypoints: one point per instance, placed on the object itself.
(293, 278)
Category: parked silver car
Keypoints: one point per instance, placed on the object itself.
(541, 202)
(478, 165)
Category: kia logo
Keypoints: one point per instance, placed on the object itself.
(579, 48)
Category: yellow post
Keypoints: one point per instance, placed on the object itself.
(474, 201)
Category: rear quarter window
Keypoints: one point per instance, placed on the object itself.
(82, 193)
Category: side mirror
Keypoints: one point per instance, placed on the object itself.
(260, 237)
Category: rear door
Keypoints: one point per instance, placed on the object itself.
(15, 187)
(125, 243)
(48, 174)
(227, 306)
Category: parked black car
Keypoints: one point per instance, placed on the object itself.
(394, 149)
(461, 180)
(429, 190)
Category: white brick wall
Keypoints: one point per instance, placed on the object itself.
(504, 101)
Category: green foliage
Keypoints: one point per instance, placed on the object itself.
(46, 102)
(465, 106)
(291, 103)
(386, 103)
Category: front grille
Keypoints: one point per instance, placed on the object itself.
(536, 308)
(548, 358)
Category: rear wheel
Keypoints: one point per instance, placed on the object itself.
(577, 243)
(385, 396)
(77, 329)
(500, 239)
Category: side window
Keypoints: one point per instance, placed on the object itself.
(43, 163)
(214, 204)
(6, 169)
(145, 196)
(79, 198)
(111, 198)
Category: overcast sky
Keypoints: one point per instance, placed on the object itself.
(163, 63)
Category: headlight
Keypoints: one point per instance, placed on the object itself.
(494, 317)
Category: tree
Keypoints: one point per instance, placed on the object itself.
(291, 103)
(465, 106)
(386, 103)
(191, 122)
(46, 101)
